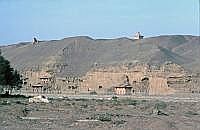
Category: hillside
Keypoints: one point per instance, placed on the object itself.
(77, 55)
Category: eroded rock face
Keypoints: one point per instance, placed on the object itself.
(159, 86)
(145, 79)
(142, 77)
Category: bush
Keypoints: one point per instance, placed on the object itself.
(104, 117)
(5, 102)
(119, 122)
(133, 102)
(160, 105)
(114, 98)
(25, 111)
(191, 113)
(157, 108)
(84, 106)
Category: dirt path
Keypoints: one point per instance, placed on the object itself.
(185, 97)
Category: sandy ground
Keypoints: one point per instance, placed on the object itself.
(97, 114)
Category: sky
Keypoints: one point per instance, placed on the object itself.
(21, 20)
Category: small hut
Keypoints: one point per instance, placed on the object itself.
(123, 89)
(45, 77)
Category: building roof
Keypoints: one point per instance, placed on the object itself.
(44, 75)
(37, 85)
(126, 85)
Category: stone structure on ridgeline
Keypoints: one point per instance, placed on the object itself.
(138, 36)
(35, 41)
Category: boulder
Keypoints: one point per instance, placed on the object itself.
(39, 98)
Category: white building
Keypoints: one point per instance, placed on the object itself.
(138, 36)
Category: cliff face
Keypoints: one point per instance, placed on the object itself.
(102, 63)
(77, 55)
(159, 86)
(142, 78)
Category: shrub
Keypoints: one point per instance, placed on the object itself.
(119, 122)
(133, 102)
(191, 113)
(160, 105)
(5, 102)
(84, 105)
(104, 117)
(25, 111)
(114, 98)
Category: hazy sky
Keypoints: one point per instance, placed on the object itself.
(20, 20)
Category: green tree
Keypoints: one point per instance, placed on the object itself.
(9, 78)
